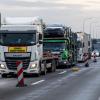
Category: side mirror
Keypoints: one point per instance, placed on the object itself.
(40, 41)
(40, 37)
(0, 19)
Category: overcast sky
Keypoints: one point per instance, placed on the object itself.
(69, 12)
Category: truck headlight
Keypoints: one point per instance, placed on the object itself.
(33, 66)
(2, 66)
(65, 62)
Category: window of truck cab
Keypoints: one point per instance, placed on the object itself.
(18, 38)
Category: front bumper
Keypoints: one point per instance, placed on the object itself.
(64, 63)
(27, 71)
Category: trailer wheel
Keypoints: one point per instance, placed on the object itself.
(4, 75)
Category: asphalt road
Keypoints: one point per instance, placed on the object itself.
(64, 84)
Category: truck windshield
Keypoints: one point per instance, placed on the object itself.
(54, 47)
(79, 44)
(53, 32)
(27, 39)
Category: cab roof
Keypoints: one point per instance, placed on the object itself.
(17, 28)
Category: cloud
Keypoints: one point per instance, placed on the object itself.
(84, 2)
(94, 2)
(51, 4)
(69, 12)
(38, 5)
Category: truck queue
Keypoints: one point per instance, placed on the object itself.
(40, 47)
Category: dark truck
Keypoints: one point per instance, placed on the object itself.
(62, 42)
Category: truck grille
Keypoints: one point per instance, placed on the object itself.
(11, 62)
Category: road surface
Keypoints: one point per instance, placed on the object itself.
(64, 84)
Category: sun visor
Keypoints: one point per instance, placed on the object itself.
(22, 21)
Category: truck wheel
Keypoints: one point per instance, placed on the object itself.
(45, 69)
(57, 64)
(53, 66)
(39, 73)
(87, 65)
(4, 75)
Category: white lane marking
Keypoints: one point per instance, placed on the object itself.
(62, 72)
(38, 82)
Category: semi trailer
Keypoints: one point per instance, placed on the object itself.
(21, 39)
(84, 46)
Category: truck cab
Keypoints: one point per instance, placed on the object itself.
(56, 41)
(62, 42)
(21, 39)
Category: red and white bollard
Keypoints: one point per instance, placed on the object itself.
(94, 57)
(86, 60)
(20, 74)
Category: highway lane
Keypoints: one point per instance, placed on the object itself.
(9, 91)
(61, 85)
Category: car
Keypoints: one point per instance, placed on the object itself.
(96, 52)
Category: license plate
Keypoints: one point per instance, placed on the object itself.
(14, 55)
(17, 49)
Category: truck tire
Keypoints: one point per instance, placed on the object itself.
(4, 75)
(57, 64)
(87, 65)
(39, 73)
(53, 66)
(45, 69)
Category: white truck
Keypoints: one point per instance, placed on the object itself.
(84, 45)
(21, 40)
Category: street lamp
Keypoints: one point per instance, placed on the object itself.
(96, 34)
(84, 21)
(97, 31)
(91, 28)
